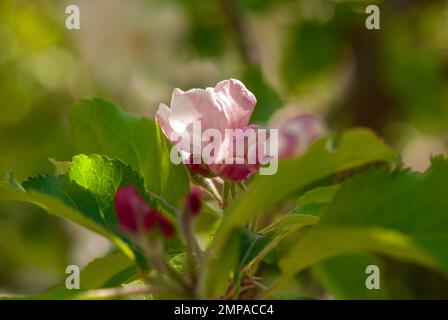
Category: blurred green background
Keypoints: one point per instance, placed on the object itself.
(313, 55)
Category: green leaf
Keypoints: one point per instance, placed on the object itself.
(84, 195)
(101, 127)
(324, 158)
(102, 177)
(219, 267)
(100, 272)
(90, 186)
(256, 246)
(58, 207)
(252, 243)
(344, 276)
(69, 192)
(402, 215)
(110, 271)
(319, 195)
(355, 148)
(311, 209)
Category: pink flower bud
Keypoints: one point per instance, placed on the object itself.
(135, 215)
(297, 130)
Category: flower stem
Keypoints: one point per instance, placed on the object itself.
(153, 250)
(190, 243)
(235, 192)
(227, 194)
(173, 274)
(241, 186)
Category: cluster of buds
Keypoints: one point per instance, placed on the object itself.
(148, 227)
(135, 215)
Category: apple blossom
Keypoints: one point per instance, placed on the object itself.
(219, 116)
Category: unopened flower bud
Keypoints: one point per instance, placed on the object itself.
(297, 131)
(135, 215)
(166, 227)
(192, 203)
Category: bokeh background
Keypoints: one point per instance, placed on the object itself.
(313, 55)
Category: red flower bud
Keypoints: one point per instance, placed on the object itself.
(166, 227)
(130, 207)
(192, 202)
(134, 214)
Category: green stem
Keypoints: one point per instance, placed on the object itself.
(152, 250)
(189, 242)
(270, 290)
(241, 186)
(226, 194)
(234, 192)
(174, 275)
(154, 253)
